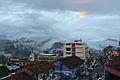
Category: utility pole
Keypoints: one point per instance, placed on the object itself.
(104, 66)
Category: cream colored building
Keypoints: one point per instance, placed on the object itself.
(36, 56)
(75, 48)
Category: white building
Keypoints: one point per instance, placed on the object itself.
(34, 56)
(75, 48)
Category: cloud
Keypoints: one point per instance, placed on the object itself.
(92, 6)
(57, 20)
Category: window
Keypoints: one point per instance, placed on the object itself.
(67, 43)
(68, 53)
(79, 44)
(68, 49)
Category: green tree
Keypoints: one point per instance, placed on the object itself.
(4, 71)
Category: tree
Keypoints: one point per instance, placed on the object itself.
(4, 71)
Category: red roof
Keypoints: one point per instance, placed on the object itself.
(115, 52)
(115, 60)
(20, 76)
(114, 66)
(40, 67)
(113, 71)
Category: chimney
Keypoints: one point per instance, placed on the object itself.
(119, 43)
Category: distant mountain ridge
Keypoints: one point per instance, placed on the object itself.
(21, 47)
(24, 46)
(3, 59)
(110, 39)
(103, 43)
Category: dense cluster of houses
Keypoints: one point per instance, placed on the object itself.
(45, 70)
(50, 67)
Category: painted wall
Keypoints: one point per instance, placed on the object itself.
(59, 66)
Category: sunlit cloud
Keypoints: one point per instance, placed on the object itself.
(82, 14)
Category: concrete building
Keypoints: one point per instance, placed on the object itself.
(75, 48)
(37, 56)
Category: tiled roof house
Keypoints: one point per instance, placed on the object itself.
(32, 71)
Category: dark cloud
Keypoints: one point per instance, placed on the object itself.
(92, 6)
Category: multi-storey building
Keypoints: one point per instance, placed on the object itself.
(76, 48)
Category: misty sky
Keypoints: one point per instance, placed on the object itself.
(60, 19)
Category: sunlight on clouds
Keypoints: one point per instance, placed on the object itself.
(82, 14)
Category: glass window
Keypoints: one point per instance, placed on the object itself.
(68, 49)
(79, 44)
(68, 53)
(67, 43)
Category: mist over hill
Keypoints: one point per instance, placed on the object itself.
(100, 44)
(21, 47)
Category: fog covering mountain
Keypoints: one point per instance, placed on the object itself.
(57, 48)
(3, 59)
(103, 43)
(21, 47)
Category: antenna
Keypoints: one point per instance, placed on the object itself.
(80, 40)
